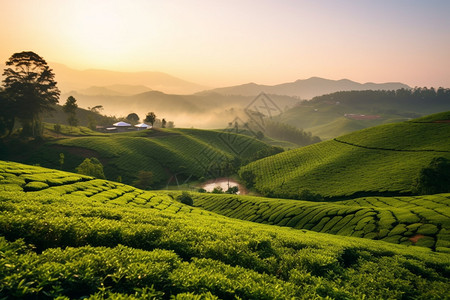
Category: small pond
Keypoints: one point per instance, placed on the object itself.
(224, 183)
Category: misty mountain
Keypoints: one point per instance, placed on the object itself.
(114, 90)
(206, 110)
(307, 88)
(70, 79)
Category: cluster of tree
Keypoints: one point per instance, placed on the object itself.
(133, 118)
(435, 178)
(285, 132)
(29, 89)
(399, 99)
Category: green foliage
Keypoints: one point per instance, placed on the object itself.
(285, 132)
(435, 178)
(144, 180)
(185, 198)
(91, 167)
(97, 239)
(310, 196)
(150, 118)
(57, 128)
(248, 177)
(217, 190)
(232, 190)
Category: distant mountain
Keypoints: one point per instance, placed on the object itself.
(307, 88)
(207, 110)
(115, 90)
(70, 79)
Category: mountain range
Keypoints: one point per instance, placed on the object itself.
(307, 88)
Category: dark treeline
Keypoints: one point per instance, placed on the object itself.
(285, 132)
(402, 99)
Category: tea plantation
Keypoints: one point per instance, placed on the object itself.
(71, 236)
(413, 221)
(186, 153)
(382, 160)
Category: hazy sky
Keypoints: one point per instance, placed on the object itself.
(219, 43)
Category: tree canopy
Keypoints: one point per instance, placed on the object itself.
(70, 108)
(435, 178)
(150, 118)
(91, 167)
(133, 118)
(30, 84)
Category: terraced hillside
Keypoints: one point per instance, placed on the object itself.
(382, 160)
(64, 234)
(420, 221)
(186, 153)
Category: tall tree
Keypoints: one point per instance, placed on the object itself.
(31, 85)
(150, 118)
(70, 108)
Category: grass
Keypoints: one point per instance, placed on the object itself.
(83, 237)
(382, 160)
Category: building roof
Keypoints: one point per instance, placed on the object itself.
(143, 125)
(121, 124)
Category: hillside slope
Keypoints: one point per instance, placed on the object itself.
(339, 113)
(63, 234)
(184, 153)
(382, 160)
(421, 220)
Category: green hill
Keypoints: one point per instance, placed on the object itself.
(382, 160)
(421, 220)
(339, 113)
(63, 234)
(184, 153)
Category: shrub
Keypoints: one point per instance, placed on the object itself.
(144, 180)
(232, 190)
(309, 196)
(248, 177)
(435, 178)
(91, 167)
(217, 190)
(185, 198)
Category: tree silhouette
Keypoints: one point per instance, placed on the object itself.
(70, 108)
(31, 85)
(6, 115)
(133, 118)
(150, 118)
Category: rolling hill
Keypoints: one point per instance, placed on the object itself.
(339, 113)
(382, 160)
(73, 236)
(420, 220)
(170, 154)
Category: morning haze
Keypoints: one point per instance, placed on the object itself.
(224, 149)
